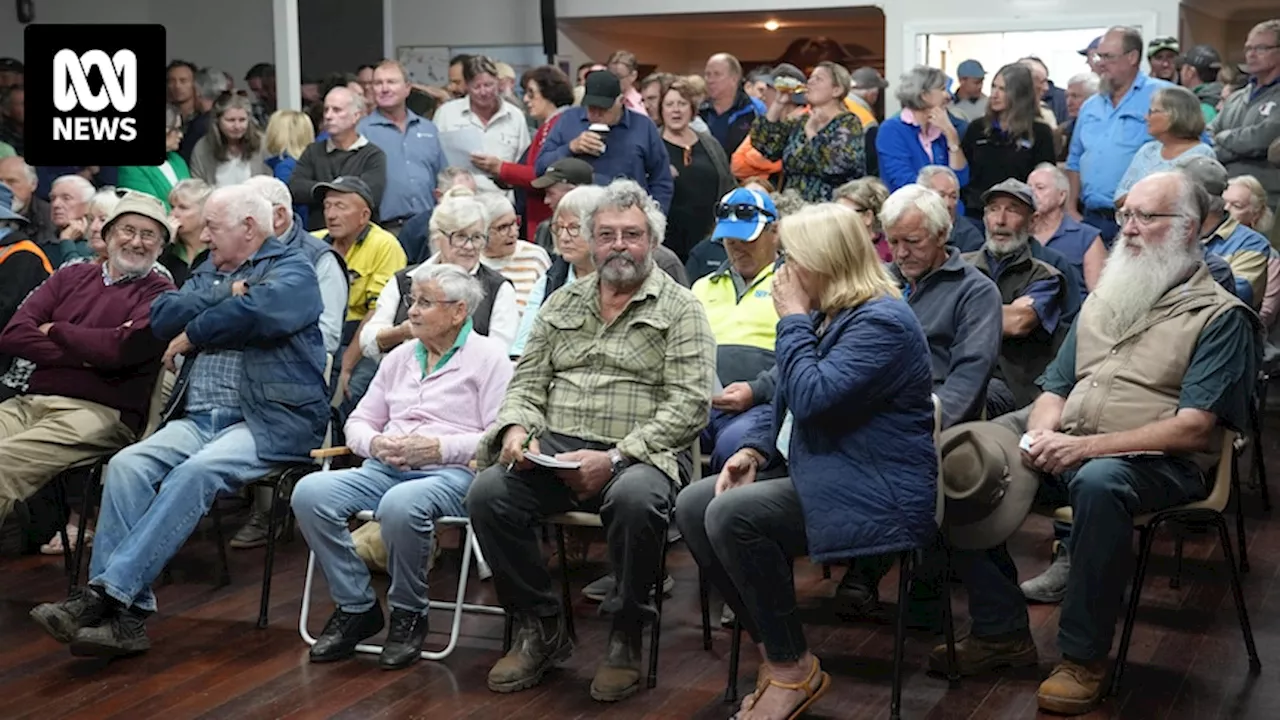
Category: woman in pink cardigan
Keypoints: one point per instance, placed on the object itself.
(417, 427)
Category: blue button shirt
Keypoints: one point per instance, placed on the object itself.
(1106, 137)
(414, 158)
(1073, 239)
(1043, 293)
(633, 149)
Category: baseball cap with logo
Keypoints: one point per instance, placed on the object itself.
(136, 203)
(1160, 44)
(1203, 57)
(1012, 188)
(866, 77)
(345, 184)
(743, 214)
(601, 90)
(970, 69)
(574, 171)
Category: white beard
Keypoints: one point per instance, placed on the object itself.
(1005, 245)
(1131, 285)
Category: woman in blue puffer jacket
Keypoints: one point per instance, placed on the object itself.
(843, 466)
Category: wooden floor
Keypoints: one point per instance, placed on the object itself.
(210, 661)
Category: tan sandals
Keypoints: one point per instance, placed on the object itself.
(811, 693)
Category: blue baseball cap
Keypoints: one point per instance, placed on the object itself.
(6, 205)
(1093, 45)
(743, 214)
(970, 69)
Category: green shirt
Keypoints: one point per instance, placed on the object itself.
(421, 350)
(642, 382)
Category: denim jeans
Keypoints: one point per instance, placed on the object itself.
(723, 435)
(744, 542)
(405, 503)
(635, 506)
(155, 492)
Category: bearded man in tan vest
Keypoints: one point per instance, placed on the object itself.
(1128, 422)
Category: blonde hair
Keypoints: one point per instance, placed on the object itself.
(696, 84)
(829, 240)
(289, 132)
(1257, 198)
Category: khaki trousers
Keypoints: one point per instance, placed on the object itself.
(42, 435)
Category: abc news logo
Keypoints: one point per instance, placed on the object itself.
(95, 95)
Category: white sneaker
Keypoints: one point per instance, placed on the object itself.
(1050, 586)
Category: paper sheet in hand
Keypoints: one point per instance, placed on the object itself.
(548, 461)
(458, 145)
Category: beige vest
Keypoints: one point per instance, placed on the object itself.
(1133, 380)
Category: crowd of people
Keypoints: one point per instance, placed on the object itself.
(747, 266)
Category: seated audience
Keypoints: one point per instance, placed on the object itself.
(1246, 201)
(414, 235)
(232, 150)
(69, 210)
(23, 264)
(344, 153)
(1055, 228)
(708, 255)
(518, 261)
(571, 261)
(866, 196)
(965, 236)
(1177, 123)
(417, 427)
(617, 377)
(1244, 249)
(852, 393)
(251, 394)
(1147, 440)
(555, 183)
(159, 180)
(1032, 292)
(186, 219)
(88, 332)
(22, 179)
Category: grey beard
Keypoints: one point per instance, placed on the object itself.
(1001, 247)
(620, 270)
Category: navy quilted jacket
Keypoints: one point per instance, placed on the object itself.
(862, 456)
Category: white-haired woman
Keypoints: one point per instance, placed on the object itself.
(186, 218)
(573, 257)
(523, 263)
(417, 426)
(924, 133)
(1246, 201)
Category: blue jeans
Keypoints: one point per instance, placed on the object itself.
(723, 435)
(406, 503)
(155, 492)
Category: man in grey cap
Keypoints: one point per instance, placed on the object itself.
(88, 331)
(1198, 72)
(968, 101)
(867, 84)
(1162, 56)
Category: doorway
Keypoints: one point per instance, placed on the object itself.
(1059, 49)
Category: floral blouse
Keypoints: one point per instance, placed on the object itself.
(813, 167)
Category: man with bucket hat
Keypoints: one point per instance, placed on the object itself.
(1129, 422)
(88, 331)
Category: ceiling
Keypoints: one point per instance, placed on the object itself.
(697, 26)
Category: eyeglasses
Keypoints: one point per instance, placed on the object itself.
(1144, 219)
(424, 303)
(741, 211)
(1108, 57)
(460, 240)
(631, 236)
(571, 231)
(1259, 48)
(129, 232)
(506, 227)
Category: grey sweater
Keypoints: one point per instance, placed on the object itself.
(319, 164)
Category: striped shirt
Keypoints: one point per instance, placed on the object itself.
(523, 268)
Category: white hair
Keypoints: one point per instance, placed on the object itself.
(82, 186)
(242, 201)
(496, 205)
(917, 197)
(624, 194)
(929, 172)
(1087, 79)
(33, 178)
(579, 201)
(272, 189)
(456, 284)
(104, 202)
(1060, 180)
(355, 100)
(448, 177)
(458, 209)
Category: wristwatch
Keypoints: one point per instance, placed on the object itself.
(618, 461)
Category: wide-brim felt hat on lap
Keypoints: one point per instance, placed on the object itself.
(989, 490)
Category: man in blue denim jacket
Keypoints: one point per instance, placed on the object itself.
(251, 395)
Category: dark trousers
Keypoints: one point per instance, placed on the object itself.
(723, 435)
(507, 507)
(744, 542)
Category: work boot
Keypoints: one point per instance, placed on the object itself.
(1073, 688)
(123, 634)
(1050, 586)
(344, 631)
(618, 676)
(405, 637)
(535, 649)
(975, 655)
(855, 600)
(254, 533)
(85, 607)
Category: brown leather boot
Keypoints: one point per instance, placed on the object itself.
(1073, 688)
(618, 676)
(975, 655)
(532, 654)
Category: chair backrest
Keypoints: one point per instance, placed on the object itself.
(941, 503)
(1220, 493)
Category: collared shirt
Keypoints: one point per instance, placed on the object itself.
(1106, 138)
(125, 278)
(642, 381)
(373, 259)
(634, 100)
(633, 149)
(506, 135)
(1073, 239)
(927, 138)
(217, 374)
(414, 158)
(330, 146)
(424, 357)
(537, 296)
(1248, 253)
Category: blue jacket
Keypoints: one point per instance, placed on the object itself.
(633, 149)
(902, 156)
(862, 456)
(283, 394)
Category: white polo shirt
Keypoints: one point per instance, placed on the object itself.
(505, 137)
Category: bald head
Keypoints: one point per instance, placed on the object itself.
(724, 76)
(343, 108)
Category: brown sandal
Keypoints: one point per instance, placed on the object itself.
(811, 694)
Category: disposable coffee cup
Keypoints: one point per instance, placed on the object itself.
(603, 131)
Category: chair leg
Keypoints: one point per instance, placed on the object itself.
(565, 597)
(1255, 665)
(656, 631)
(273, 521)
(948, 621)
(735, 650)
(1175, 581)
(826, 571)
(905, 563)
(64, 512)
(1259, 456)
(1239, 497)
(705, 605)
(1145, 537)
(224, 565)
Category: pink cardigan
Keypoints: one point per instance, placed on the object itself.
(456, 403)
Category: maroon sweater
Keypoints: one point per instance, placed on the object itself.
(100, 347)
